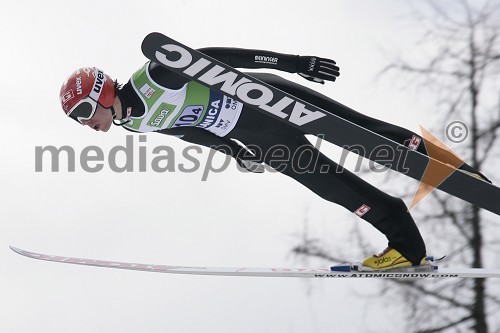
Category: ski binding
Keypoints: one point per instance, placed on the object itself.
(428, 266)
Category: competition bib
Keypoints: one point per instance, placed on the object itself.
(192, 105)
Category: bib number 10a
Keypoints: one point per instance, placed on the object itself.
(190, 115)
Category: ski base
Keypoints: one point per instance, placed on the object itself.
(267, 272)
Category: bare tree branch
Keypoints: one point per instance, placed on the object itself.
(449, 325)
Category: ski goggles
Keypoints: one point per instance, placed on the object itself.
(86, 107)
(83, 110)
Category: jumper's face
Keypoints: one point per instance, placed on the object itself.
(101, 120)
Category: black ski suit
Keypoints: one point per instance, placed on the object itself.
(262, 134)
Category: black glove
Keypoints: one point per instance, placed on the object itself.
(317, 69)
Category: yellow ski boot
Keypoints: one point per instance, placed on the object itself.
(389, 259)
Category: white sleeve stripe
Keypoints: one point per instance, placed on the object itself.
(325, 73)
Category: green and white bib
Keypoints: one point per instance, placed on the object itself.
(192, 105)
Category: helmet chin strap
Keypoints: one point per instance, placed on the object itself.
(115, 121)
(113, 112)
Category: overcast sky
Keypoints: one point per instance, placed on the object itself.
(233, 219)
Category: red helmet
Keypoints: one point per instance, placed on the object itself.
(83, 90)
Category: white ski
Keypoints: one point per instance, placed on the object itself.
(267, 272)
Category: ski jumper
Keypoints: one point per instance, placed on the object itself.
(157, 100)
